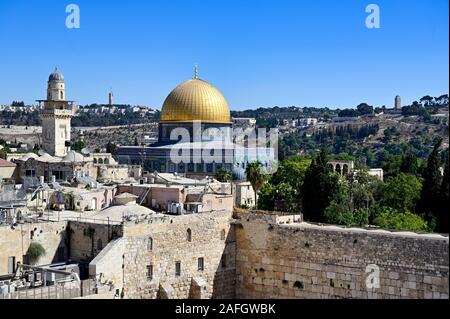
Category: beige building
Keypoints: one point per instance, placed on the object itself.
(82, 199)
(7, 169)
(175, 194)
(244, 195)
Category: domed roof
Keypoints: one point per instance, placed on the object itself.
(27, 156)
(117, 212)
(56, 76)
(73, 156)
(195, 100)
(46, 158)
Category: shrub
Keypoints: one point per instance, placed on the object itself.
(34, 252)
(391, 219)
(341, 215)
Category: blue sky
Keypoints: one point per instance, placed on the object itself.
(257, 52)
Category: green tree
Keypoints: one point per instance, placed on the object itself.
(339, 211)
(111, 148)
(364, 108)
(401, 192)
(394, 220)
(281, 197)
(78, 145)
(442, 221)
(362, 190)
(282, 191)
(222, 175)
(429, 201)
(390, 163)
(409, 163)
(4, 152)
(318, 188)
(256, 177)
(351, 201)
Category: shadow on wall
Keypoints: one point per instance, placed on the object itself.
(224, 281)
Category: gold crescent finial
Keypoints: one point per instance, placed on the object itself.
(196, 72)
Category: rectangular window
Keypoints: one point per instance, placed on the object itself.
(30, 173)
(149, 272)
(224, 261)
(201, 264)
(178, 268)
(59, 175)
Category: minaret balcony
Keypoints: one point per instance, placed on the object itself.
(57, 112)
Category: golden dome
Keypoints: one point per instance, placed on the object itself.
(195, 100)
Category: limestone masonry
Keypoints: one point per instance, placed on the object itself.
(306, 261)
(240, 255)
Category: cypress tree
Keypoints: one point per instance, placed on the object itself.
(429, 201)
(318, 188)
(442, 224)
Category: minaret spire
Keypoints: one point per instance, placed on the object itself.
(196, 72)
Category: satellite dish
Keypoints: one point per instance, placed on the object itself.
(85, 151)
(41, 153)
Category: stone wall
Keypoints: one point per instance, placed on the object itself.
(299, 260)
(87, 240)
(14, 242)
(107, 266)
(210, 236)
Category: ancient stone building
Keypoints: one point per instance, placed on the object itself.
(238, 255)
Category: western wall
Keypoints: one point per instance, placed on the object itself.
(243, 255)
(278, 259)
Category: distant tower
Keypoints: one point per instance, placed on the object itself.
(110, 98)
(398, 103)
(56, 116)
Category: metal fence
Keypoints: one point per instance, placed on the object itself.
(67, 291)
(92, 220)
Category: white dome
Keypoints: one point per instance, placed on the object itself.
(73, 156)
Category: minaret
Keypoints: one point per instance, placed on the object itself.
(56, 116)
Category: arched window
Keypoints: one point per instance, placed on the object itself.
(345, 169)
(62, 95)
(150, 244)
(222, 234)
(106, 161)
(338, 169)
(95, 161)
(100, 161)
(189, 235)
